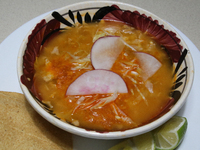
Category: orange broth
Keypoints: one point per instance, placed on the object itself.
(67, 56)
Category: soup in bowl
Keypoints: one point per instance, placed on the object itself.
(109, 71)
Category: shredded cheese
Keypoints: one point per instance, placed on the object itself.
(104, 101)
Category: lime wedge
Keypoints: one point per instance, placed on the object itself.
(144, 141)
(140, 142)
(124, 145)
(170, 135)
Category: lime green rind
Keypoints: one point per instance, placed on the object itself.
(180, 133)
(144, 141)
(124, 145)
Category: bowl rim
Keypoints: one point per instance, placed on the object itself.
(115, 134)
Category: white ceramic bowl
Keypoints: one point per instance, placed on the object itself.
(182, 90)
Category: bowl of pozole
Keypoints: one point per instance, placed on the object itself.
(105, 70)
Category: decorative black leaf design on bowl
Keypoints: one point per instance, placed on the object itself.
(79, 17)
(60, 18)
(71, 15)
(176, 94)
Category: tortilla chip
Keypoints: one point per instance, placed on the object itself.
(21, 127)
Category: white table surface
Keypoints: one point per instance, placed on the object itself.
(183, 14)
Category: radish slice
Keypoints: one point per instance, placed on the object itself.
(148, 64)
(105, 51)
(97, 82)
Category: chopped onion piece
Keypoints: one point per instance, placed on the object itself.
(105, 51)
(148, 63)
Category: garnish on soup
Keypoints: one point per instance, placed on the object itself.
(104, 76)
